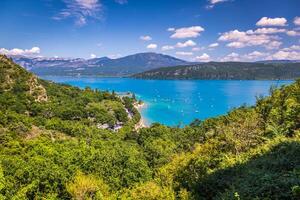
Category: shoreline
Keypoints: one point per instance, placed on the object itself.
(142, 122)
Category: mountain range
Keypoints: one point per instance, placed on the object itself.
(98, 66)
(159, 66)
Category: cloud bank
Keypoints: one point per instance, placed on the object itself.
(265, 21)
(34, 51)
(187, 32)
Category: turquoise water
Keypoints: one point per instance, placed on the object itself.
(174, 102)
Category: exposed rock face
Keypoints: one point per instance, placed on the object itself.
(37, 90)
(6, 81)
(14, 77)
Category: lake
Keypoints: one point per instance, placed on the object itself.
(179, 102)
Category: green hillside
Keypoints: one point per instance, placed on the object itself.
(51, 147)
(226, 71)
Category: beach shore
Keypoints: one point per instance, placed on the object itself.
(142, 122)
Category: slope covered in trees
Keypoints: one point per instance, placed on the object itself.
(51, 147)
(226, 71)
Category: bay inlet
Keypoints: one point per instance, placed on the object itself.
(179, 102)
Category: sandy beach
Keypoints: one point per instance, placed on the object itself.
(142, 122)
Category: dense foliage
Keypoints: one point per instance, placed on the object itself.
(226, 71)
(51, 147)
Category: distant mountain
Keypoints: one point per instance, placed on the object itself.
(98, 66)
(94, 61)
(141, 62)
(134, 64)
(226, 70)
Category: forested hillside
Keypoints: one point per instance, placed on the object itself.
(226, 71)
(51, 147)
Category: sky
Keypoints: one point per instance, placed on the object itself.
(193, 30)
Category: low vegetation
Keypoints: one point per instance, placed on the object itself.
(52, 148)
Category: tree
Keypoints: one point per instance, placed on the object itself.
(84, 187)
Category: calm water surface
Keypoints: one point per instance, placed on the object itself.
(174, 102)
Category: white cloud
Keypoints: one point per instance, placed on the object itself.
(266, 31)
(189, 43)
(288, 53)
(203, 58)
(146, 38)
(187, 32)
(212, 3)
(93, 56)
(240, 39)
(233, 35)
(183, 53)
(265, 21)
(121, 1)
(152, 46)
(167, 48)
(236, 45)
(213, 45)
(291, 48)
(231, 57)
(114, 56)
(216, 1)
(285, 55)
(297, 21)
(80, 11)
(273, 45)
(88, 4)
(171, 29)
(293, 33)
(255, 55)
(34, 51)
(198, 48)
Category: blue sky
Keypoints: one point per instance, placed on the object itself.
(195, 30)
